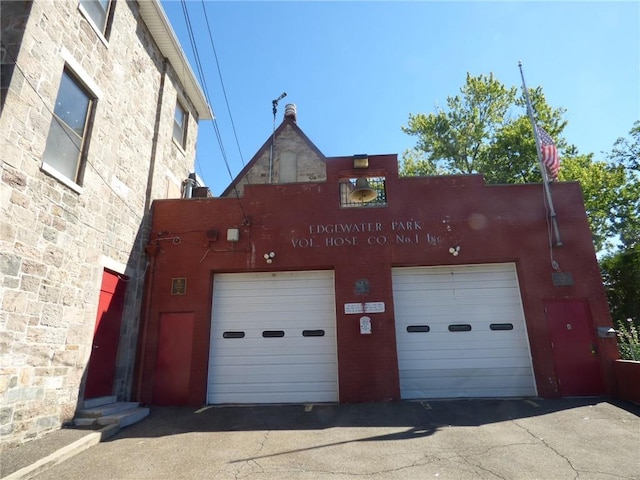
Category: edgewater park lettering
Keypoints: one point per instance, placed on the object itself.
(407, 232)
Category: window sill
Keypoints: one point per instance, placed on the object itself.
(48, 169)
(180, 147)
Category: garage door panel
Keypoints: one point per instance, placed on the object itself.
(267, 357)
(233, 378)
(414, 375)
(449, 341)
(253, 359)
(469, 392)
(248, 387)
(473, 355)
(451, 362)
(481, 361)
(276, 397)
(450, 383)
(257, 334)
(245, 382)
(446, 343)
(260, 305)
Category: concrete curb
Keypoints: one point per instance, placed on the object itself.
(64, 453)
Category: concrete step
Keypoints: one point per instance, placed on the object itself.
(124, 418)
(106, 410)
(84, 422)
(99, 401)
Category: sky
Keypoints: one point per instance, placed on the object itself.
(357, 69)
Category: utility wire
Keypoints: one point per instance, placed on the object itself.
(203, 79)
(224, 91)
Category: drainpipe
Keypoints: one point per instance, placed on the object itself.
(143, 327)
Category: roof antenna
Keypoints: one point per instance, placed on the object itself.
(274, 104)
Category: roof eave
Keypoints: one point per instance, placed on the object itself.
(158, 24)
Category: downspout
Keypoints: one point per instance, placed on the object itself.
(150, 257)
(156, 134)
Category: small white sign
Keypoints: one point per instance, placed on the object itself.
(369, 307)
(365, 325)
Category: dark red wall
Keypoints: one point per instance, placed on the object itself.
(490, 224)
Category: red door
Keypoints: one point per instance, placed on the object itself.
(173, 362)
(574, 347)
(102, 364)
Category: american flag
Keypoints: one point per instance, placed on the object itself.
(549, 153)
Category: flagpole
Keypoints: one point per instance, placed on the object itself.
(543, 170)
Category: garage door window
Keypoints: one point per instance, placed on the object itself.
(233, 335)
(273, 333)
(418, 328)
(501, 326)
(313, 333)
(460, 327)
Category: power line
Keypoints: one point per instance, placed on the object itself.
(203, 79)
(224, 91)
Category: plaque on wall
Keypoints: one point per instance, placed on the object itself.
(362, 287)
(562, 279)
(178, 286)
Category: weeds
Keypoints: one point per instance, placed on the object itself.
(628, 340)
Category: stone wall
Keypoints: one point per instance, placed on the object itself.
(293, 160)
(56, 241)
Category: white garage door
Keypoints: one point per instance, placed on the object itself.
(273, 338)
(461, 332)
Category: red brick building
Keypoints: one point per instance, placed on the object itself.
(299, 286)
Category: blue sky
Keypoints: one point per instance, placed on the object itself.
(357, 69)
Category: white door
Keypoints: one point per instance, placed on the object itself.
(273, 338)
(461, 332)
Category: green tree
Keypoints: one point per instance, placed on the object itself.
(603, 186)
(621, 268)
(485, 129)
(479, 133)
(625, 156)
(621, 275)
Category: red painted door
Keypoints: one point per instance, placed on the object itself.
(106, 336)
(173, 362)
(574, 347)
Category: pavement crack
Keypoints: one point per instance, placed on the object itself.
(546, 444)
(479, 468)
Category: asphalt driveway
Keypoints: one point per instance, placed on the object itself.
(462, 439)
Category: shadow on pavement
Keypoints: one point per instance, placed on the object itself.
(422, 418)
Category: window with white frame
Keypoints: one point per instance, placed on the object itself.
(180, 125)
(67, 132)
(98, 12)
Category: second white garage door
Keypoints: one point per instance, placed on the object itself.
(273, 338)
(461, 332)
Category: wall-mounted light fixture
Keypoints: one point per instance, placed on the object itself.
(269, 257)
(454, 250)
(361, 160)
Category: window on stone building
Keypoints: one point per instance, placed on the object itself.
(363, 192)
(67, 132)
(98, 12)
(6, 72)
(180, 125)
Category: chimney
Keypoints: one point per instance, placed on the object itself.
(290, 112)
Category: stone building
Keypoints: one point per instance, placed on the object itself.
(99, 117)
(325, 279)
